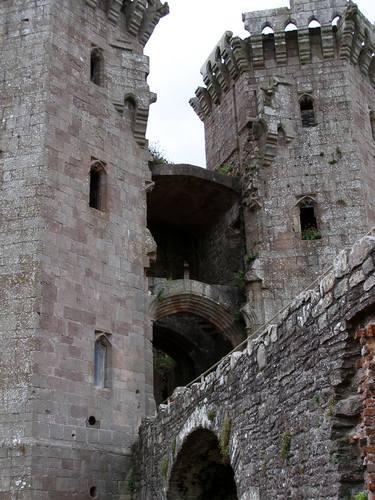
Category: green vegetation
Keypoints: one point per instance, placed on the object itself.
(164, 466)
(241, 279)
(131, 485)
(249, 259)
(362, 495)
(316, 399)
(163, 363)
(225, 438)
(160, 295)
(211, 415)
(311, 234)
(286, 442)
(225, 169)
(158, 155)
(330, 407)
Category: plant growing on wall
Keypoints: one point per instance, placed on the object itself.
(225, 438)
(158, 155)
(362, 495)
(311, 234)
(241, 279)
(286, 442)
(225, 169)
(164, 466)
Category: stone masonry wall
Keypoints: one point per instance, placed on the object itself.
(251, 112)
(68, 270)
(292, 396)
(25, 30)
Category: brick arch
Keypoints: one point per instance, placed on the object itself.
(189, 296)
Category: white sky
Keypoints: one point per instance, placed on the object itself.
(178, 48)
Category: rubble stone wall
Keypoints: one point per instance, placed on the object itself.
(294, 398)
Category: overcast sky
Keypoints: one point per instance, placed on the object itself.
(178, 48)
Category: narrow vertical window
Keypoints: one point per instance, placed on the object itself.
(281, 136)
(309, 224)
(97, 67)
(307, 111)
(102, 362)
(130, 109)
(372, 123)
(98, 186)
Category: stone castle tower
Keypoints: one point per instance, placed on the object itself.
(75, 363)
(291, 111)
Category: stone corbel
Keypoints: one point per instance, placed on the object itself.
(114, 10)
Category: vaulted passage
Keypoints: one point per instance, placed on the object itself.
(185, 345)
(200, 473)
(195, 218)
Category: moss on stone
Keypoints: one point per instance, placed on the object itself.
(225, 438)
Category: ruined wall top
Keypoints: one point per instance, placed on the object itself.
(301, 12)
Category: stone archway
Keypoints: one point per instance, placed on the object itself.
(206, 301)
(193, 329)
(200, 472)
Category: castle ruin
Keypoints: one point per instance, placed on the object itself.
(177, 333)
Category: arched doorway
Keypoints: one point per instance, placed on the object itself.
(200, 472)
(185, 345)
(193, 329)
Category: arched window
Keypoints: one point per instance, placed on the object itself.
(314, 24)
(102, 361)
(291, 27)
(308, 220)
(98, 186)
(130, 109)
(267, 30)
(336, 21)
(307, 111)
(372, 123)
(97, 67)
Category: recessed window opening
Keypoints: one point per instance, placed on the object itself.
(130, 109)
(93, 492)
(98, 186)
(307, 111)
(102, 362)
(267, 30)
(372, 123)
(291, 27)
(97, 67)
(309, 224)
(314, 24)
(336, 21)
(281, 136)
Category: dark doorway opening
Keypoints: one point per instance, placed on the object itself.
(185, 345)
(200, 471)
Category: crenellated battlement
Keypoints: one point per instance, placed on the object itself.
(339, 31)
(141, 16)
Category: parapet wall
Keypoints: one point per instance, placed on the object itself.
(297, 398)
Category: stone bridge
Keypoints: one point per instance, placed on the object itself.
(290, 415)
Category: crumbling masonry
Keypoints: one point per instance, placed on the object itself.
(125, 283)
